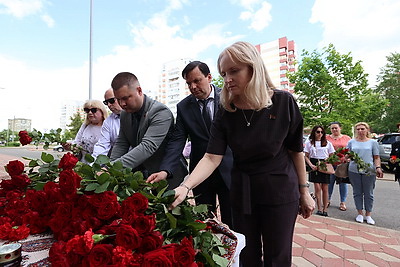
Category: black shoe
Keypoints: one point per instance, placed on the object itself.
(325, 214)
(320, 213)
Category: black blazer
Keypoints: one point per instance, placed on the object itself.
(190, 123)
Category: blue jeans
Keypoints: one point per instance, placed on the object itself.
(342, 189)
(363, 190)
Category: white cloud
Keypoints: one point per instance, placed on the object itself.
(176, 4)
(369, 29)
(24, 8)
(37, 94)
(156, 43)
(48, 20)
(259, 17)
(21, 8)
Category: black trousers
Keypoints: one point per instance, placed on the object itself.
(269, 234)
(207, 191)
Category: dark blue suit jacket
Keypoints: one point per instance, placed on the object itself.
(190, 123)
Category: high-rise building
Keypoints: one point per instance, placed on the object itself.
(68, 109)
(279, 57)
(172, 87)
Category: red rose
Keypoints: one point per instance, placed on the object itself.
(184, 254)
(106, 204)
(18, 233)
(152, 241)
(37, 201)
(108, 210)
(21, 181)
(15, 194)
(136, 203)
(100, 255)
(15, 167)
(68, 161)
(121, 256)
(4, 220)
(7, 185)
(61, 216)
(52, 190)
(145, 223)
(66, 233)
(136, 260)
(36, 223)
(57, 255)
(69, 182)
(15, 209)
(5, 230)
(24, 138)
(127, 237)
(159, 258)
(80, 244)
(98, 200)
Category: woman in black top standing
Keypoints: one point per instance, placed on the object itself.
(264, 129)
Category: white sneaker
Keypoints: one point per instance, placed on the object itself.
(370, 220)
(360, 218)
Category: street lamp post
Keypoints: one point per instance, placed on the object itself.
(90, 50)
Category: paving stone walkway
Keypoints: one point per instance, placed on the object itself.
(324, 241)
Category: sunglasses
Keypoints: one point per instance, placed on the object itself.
(93, 110)
(110, 100)
(319, 132)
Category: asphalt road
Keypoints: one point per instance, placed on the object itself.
(386, 212)
(27, 151)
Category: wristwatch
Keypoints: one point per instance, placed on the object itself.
(307, 184)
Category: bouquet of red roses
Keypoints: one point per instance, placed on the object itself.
(343, 154)
(104, 214)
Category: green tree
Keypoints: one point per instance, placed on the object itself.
(219, 81)
(3, 136)
(73, 127)
(389, 86)
(330, 87)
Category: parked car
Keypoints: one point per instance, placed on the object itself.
(385, 147)
(58, 148)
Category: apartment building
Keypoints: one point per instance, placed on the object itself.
(280, 58)
(172, 87)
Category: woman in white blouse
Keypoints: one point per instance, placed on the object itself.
(318, 148)
(90, 131)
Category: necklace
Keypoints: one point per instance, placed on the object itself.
(248, 121)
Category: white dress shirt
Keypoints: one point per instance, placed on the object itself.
(109, 134)
(210, 103)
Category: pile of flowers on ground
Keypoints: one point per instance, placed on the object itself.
(342, 155)
(104, 214)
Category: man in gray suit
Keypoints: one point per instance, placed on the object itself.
(145, 126)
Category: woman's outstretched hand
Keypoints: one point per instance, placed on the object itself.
(180, 195)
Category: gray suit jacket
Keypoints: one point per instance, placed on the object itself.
(155, 125)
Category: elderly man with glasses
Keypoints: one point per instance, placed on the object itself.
(110, 128)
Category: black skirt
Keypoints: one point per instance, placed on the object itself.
(316, 176)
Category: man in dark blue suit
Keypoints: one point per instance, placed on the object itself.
(194, 114)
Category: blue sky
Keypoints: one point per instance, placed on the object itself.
(44, 44)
